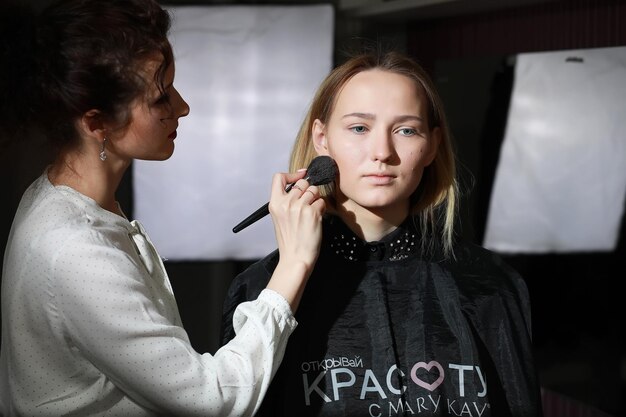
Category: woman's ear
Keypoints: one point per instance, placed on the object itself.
(91, 124)
(435, 141)
(318, 134)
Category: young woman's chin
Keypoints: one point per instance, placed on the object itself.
(378, 199)
(384, 207)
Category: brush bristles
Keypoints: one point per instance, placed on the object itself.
(321, 170)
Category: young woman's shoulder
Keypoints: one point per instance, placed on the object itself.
(479, 268)
(248, 284)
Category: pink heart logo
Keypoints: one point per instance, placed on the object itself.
(428, 366)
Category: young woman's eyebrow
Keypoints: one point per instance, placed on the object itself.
(370, 116)
(408, 118)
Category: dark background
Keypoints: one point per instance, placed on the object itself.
(467, 46)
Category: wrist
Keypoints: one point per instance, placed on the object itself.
(289, 279)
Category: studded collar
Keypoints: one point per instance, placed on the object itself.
(397, 245)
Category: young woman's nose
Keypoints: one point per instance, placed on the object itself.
(381, 146)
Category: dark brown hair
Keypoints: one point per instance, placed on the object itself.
(83, 55)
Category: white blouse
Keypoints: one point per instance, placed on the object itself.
(90, 326)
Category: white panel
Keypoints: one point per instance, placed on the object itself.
(561, 178)
(248, 74)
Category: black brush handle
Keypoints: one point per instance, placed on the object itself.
(321, 170)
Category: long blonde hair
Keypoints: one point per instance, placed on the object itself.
(434, 201)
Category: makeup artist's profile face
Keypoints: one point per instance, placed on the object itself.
(154, 119)
(379, 136)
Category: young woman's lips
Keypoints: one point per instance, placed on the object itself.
(379, 179)
(172, 135)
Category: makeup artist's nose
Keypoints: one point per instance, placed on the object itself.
(180, 106)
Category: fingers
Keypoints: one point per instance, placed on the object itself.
(290, 178)
(307, 194)
(300, 191)
(284, 182)
(302, 186)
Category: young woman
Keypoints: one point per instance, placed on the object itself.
(90, 325)
(399, 318)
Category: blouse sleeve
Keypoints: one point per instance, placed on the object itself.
(106, 306)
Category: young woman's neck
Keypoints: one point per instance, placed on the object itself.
(90, 176)
(371, 225)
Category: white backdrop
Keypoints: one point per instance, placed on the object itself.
(248, 74)
(560, 184)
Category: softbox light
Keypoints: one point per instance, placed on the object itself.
(560, 183)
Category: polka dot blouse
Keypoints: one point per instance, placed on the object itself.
(90, 326)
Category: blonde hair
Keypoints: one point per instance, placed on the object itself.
(434, 201)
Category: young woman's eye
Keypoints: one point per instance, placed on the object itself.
(358, 129)
(407, 131)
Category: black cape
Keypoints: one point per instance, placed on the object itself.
(384, 331)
